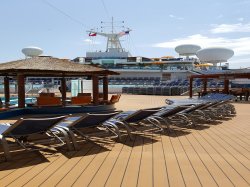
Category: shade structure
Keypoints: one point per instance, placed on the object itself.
(49, 67)
(222, 76)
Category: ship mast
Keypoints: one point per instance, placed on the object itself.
(113, 38)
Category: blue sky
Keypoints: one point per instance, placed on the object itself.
(59, 27)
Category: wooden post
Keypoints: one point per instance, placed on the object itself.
(95, 88)
(226, 86)
(63, 91)
(191, 87)
(105, 88)
(21, 90)
(7, 91)
(205, 85)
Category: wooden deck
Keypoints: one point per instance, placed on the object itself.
(210, 155)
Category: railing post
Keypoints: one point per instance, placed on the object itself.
(105, 88)
(63, 90)
(7, 91)
(191, 87)
(21, 90)
(95, 85)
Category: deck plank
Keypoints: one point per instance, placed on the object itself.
(188, 172)
(209, 155)
(228, 157)
(173, 167)
(201, 170)
(160, 174)
(145, 177)
(236, 179)
(76, 171)
(92, 168)
(239, 152)
(116, 175)
(103, 173)
(213, 168)
(131, 174)
(53, 179)
(30, 174)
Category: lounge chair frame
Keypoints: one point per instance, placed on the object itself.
(51, 132)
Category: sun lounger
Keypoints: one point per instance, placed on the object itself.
(91, 120)
(163, 117)
(131, 119)
(23, 129)
(191, 115)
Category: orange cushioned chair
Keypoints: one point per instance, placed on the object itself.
(82, 100)
(47, 95)
(49, 101)
(115, 98)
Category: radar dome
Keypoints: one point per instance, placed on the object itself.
(187, 49)
(32, 51)
(215, 54)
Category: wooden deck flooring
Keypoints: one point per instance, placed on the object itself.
(210, 155)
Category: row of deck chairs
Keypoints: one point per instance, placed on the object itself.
(68, 130)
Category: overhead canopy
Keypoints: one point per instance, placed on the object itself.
(229, 75)
(232, 75)
(49, 66)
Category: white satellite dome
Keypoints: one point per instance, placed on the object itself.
(215, 54)
(32, 51)
(187, 49)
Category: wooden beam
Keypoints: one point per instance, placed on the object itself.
(63, 91)
(7, 91)
(191, 87)
(105, 88)
(205, 85)
(21, 90)
(226, 86)
(95, 87)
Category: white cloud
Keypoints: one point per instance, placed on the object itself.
(89, 41)
(239, 45)
(239, 62)
(175, 17)
(229, 28)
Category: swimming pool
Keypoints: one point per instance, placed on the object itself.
(14, 100)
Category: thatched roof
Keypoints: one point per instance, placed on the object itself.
(49, 66)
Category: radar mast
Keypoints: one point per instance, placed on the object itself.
(113, 38)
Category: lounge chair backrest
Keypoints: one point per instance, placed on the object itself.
(83, 94)
(171, 111)
(139, 115)
(32, 125)
(210, 104)
(219, 103)
(193, 108)
(91, 120)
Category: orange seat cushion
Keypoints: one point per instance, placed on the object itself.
(83, 100)
(47, 95)
(115, 98)
(48, 101)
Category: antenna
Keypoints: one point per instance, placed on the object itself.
(113, 38)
